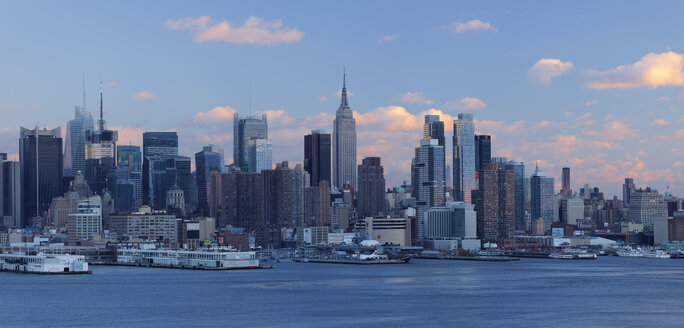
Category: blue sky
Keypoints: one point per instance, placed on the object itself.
(403, 59)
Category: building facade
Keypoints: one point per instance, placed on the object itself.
(371, 188)
(317, 154)
(464, 157)
(40, 155)
(344, 144)
(246, 128)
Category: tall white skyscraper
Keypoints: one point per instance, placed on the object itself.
(464, 157)
(344, 143)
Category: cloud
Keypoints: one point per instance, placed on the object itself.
(338, 93)
(217, 114)
(588, 103)
(466, 103)
(109, 84)
(389, 38)
(472, 25)
(547, 68)
(144, 95)
(129, 135)
(677, 164)
(413, 98)
(660, 121)
(653, 70)
(254, 31)
(619, 130)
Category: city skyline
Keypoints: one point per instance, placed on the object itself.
(557, 98)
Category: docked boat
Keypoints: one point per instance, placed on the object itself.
(43, 263)
(188, 259)
(630, 252)
(573, 255)
(658, 254)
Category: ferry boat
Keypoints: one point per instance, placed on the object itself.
(573, 254)
(658, 254)
(188, 259)
(43, 263)
(630, 252)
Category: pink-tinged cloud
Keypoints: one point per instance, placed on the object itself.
(653, 70)
(471, 26)
(109, 84)
(545, 69)
(215, 115)
(129, 135)
(413, 98)
(144, 95)
(619, 130)
(677, 164)
(389, 38)
(254, 31)
(466, 103)
(660, 122)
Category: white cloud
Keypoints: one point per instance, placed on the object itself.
(588, 103)
(388, 38)
(547, 68)
(217, 114)
(653, 70)
(472, 25)
(413, 98)
(660, 121)
(144, 95)
(466, 103)
(254, 31)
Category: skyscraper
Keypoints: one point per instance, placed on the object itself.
(10, 201)
(40, 155)
(317, 156)
(645, 206)
(483, 151)
(344, 143)
(100, 154)
(433, 128)
(205, 161)
(495, 203)
(74, 155)
(246, 128)
(627, 189)
(371, 192)
(427, 179)
(542, 199)
(129, 156)
(464, 157)
(518, 169)
(566, 191)
(260, 155)
(160, 143)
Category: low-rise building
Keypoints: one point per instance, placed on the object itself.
(145, 224)
(391, 230)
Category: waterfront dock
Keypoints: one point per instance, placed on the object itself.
(184, 267)
(471, 258)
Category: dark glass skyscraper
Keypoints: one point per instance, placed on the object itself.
(483, 151)
(371, 192)
(246, 128)
(40, 154)
(129, 156)
(566, 191)
(433, 128)
(317, 154)
(160, 143)
(206, 160)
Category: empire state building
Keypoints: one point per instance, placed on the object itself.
(344, 143)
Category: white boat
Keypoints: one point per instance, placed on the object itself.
(658, 254)
(195, 259)
(574, 254)
(630, 252)
(43, 263)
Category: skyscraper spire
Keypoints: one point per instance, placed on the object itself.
(343, 103)
(101, 122)
(84, 100)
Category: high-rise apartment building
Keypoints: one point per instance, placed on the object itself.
(317, 205)
(10, 194)
(344, 144)
(464, 157)
(427, 179)
(483, 151)
(433, 128)
(40, 155)
(371, 192)
(86, 223)
(246, 128)
(542, 200)
(645, 206)
(317, 156)
(495, 203)
(627, 189)
(566, 191)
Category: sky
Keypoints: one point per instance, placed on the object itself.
(595, 86)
